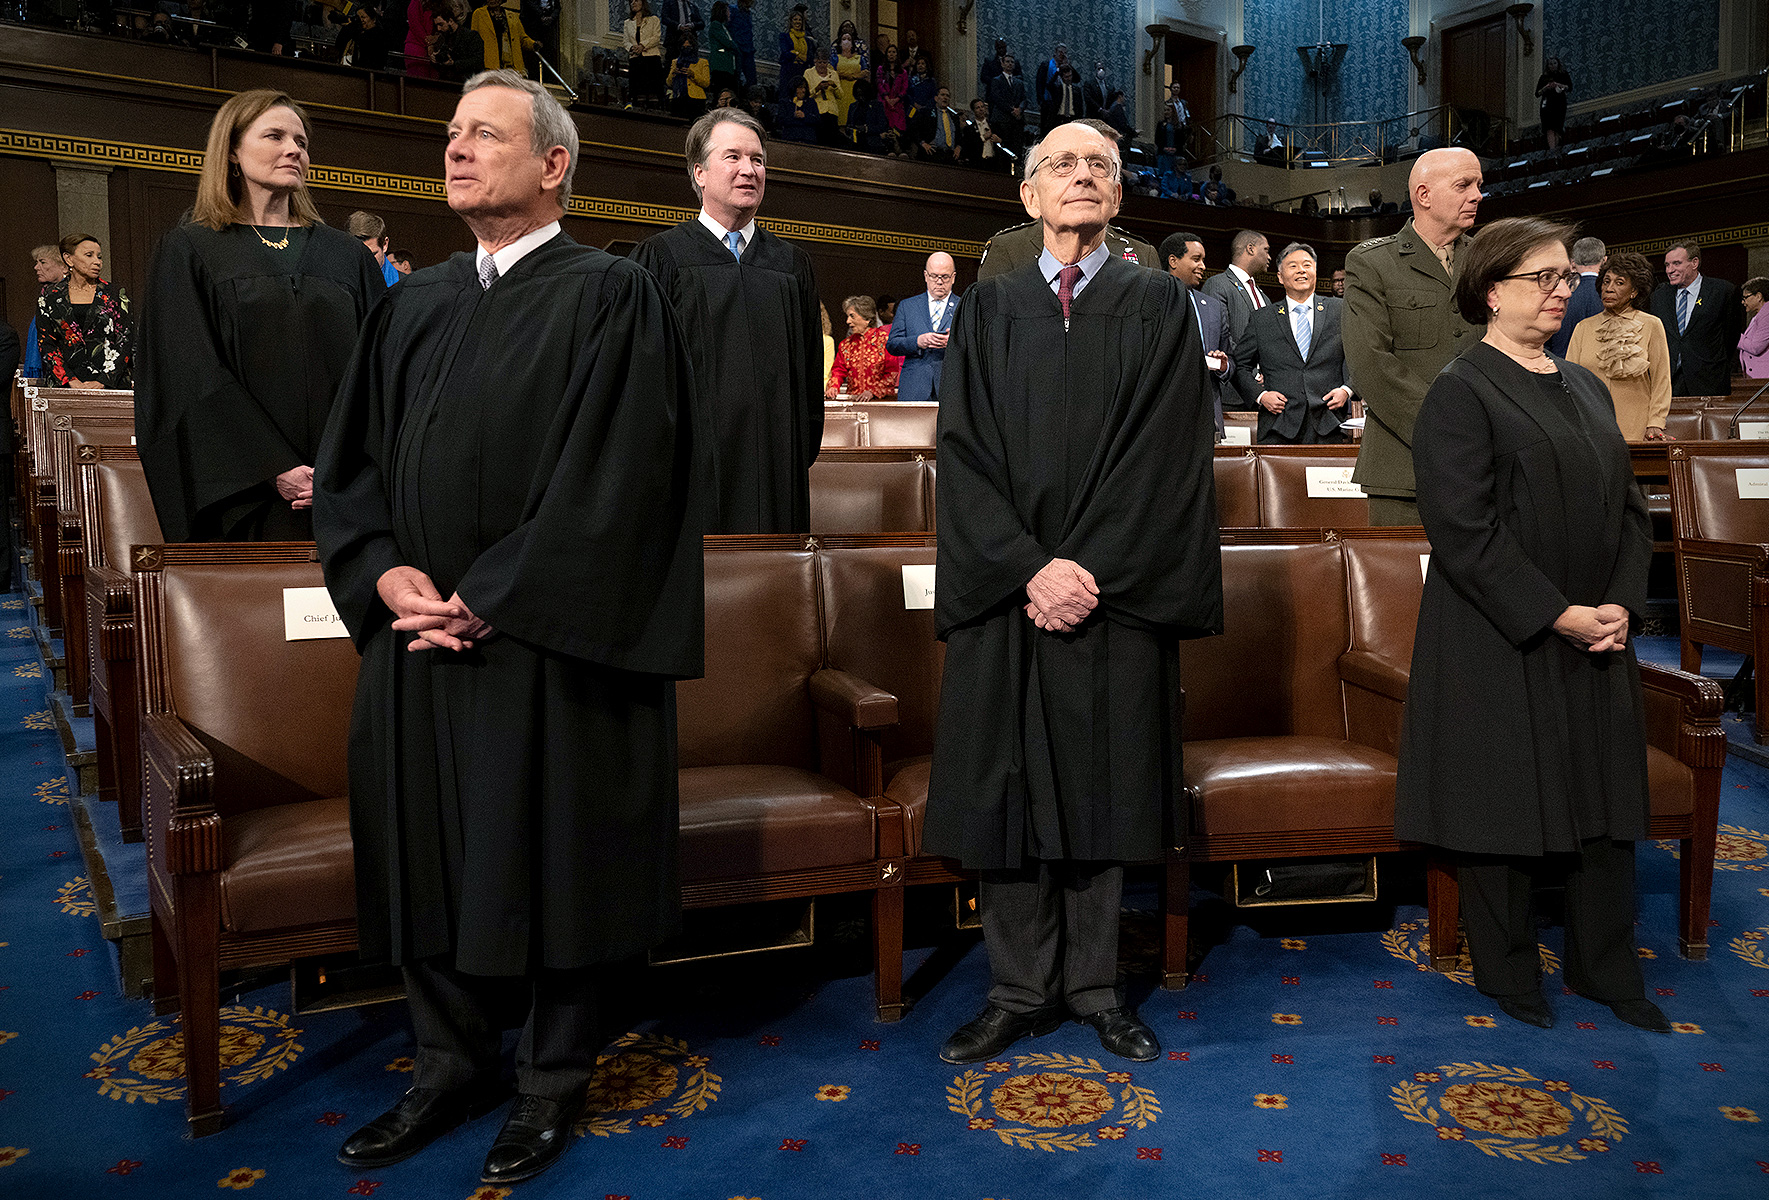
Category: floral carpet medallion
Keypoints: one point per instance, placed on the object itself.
(39, 720)
(75, 897)
(644, 1080)
(1737, 849)
(147, 1063)
(1064, 1104)
(1410, 940)
(1506, 1112)
(53, 791)
(1749, 946)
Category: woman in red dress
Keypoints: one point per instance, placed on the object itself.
(863, 368)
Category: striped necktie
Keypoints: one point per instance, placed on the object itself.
(1683, 311)
(1304, 330)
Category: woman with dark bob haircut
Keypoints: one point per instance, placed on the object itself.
(1524, 748)
(1625, 346)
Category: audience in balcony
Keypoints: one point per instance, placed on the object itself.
(721, 51)
(992, 152)
(499, 26)
(1006, 94)
(689, 77)
(420, 34)
(859, 48)
(797, 49)
(743, 33)
(1047, 74)
(1170, 130)
(643, 34)
(1552, 87)
(892, 82)
(364, 41)
(1753, 343)
(1063, 101)
(941, 134)
(850, 68)
(992, 66)
(797, 120)
(922, 85)
(864, 368)
(868, 127)
(825, 87)
(1625, 347)
(681, 19)
(911, 49)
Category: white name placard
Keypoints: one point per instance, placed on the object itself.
(918, 585)
(1753, 431)
(1753, 483)
(1237, 435)
(309, 613)
(1424, 565)
(1332, 483)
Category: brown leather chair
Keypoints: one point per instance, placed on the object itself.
(1277, 764)
(870, 496)
(1240, 429)
(892, 424)
(1684, 424)
(763, 739)
(843, 427)
(1284, 502)
(243, 741)
(74, 437)
(1237, 487)
(47, 405)
(118, 513)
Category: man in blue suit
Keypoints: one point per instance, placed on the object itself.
(1588, 255)
(1183, 253)
(919, 332)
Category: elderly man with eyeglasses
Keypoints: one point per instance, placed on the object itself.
(1078, 545)
(920, 329)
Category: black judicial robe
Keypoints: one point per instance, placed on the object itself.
(534, 447)
(756, 341)
(241, 351)
(1516, 742)
(1094, 445)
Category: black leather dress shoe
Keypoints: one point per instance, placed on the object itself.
(1125, 1034)
(534, 1135)
(421, 1116)
(1530, 1009)
(1642, 1013)
(994, 1030)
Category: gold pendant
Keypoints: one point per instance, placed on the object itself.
(282, 245)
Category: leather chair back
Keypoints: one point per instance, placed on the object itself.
(1237, 490)
(869, 497)
(274, 713)
(1715, 424)
(1704, 493)
(843, 427)
(1284, 502)
(1385, 582)
(125, 508)
(871, 633)
(763, 644)
(1275, 668)
(1685, 424)
(913, 425)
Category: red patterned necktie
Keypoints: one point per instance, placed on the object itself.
(1065, 288)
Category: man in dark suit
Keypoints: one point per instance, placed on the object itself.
(940, 133)
(1184, 255)
(1094, 93)
(920, 329)
(1588, 255)
(1702, 319)
(1249, 254)
(1048, 71)
(679, 18)
(1296, 347)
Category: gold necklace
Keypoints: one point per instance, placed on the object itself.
(282, 245)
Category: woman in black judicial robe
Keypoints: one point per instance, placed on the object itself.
(252, 308)
(1524, 745)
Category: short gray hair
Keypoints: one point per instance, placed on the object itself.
(553, 126)
(1588, 252)
(700, 137)
(1099, 127)
(1296, 248)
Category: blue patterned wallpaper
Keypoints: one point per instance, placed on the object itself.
(1371, 80)
(1611, 46)
(1103, 30)
(768, 16)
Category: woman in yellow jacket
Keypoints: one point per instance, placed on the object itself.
(500, 28)
(690, 75)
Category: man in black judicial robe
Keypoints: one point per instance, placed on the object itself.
(748, 301)
(517, 434)
(1078, 544)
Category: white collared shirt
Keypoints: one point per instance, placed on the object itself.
(1247, 284)
(937, 310)
(1090, 266)
(745, 235)
(517, 250)
(1296, 309)
(1693, 287)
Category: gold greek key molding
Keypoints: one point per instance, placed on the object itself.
(377, 183)
(1738, 233)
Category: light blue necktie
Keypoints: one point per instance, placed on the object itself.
(1683, 311)
(1304, 330)
(735, 241)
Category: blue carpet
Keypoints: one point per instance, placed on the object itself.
(1314, 1055)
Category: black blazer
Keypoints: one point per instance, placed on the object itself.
(1704, 355)
(1269, 345)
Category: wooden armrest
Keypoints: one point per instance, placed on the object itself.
(178, 795)
(1742, 552)
(1692, 734)
(1380, 675)
(851, 698)
(889, 823)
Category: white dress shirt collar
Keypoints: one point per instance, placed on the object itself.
(1047, 263)
(746, 234)
(517, 250)
(1693, 287)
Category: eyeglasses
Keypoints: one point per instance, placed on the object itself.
(1549, 280)
(1063, 165)
(932, 278)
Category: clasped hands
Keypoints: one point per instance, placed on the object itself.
(419, 608)
(1273, 402)
(1061, 595)
(296, 486)
(1594, 629)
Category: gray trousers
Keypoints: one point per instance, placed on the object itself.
(1499, 919)
(1051, 929)
(1391, 512)
(457, 1019)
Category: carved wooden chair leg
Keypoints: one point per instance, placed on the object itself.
(1176, 901)
(1442, 905)
(887, 950)
(199, 990)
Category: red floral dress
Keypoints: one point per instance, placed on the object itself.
(99, 349)
(862, 364)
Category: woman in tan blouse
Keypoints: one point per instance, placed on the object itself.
(1625, 347)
